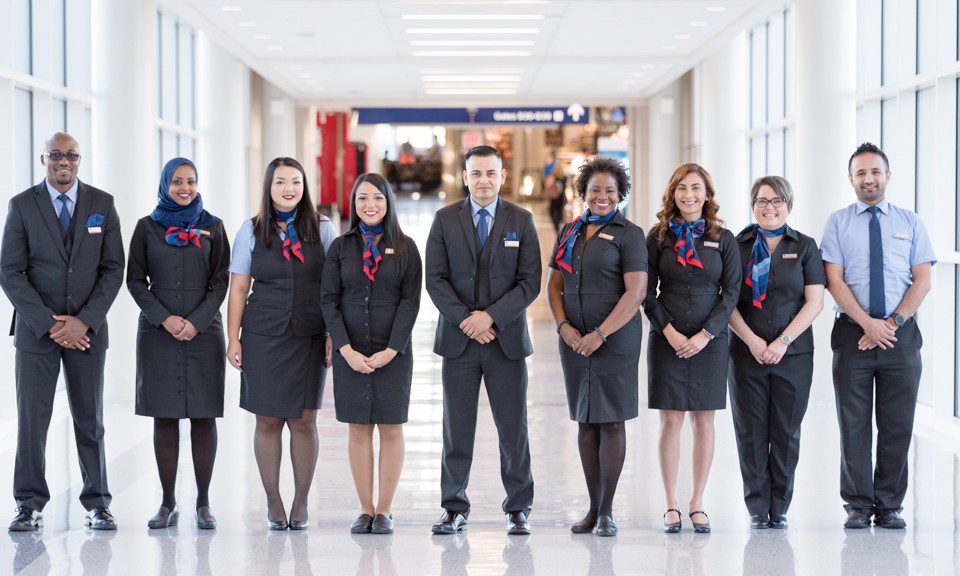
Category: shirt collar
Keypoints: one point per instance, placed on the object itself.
(884, 206)
(492, 208)
(71, 193)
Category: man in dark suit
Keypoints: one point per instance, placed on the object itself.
(482, 272)
(61, 265)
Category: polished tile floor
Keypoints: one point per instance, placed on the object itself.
(814, 544)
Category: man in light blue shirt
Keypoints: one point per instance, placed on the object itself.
(878, 259)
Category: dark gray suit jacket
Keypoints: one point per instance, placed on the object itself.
(451, 265)
(41, 279)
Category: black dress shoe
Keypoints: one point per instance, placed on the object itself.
(858, 519)
(100, 519)
(759, 521)
(164, 518)
(205, 518)
(672, 527)
(889, 519)
(517, 524)
(778, 521)
(450, 523)
(382, 524)
(700, 528)
(277, 525)
(298, 524)
(26, 520)
(606, 526)
(586, 525)
(362, 524)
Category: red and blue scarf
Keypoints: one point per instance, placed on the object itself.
(371, 255)
(686, 232)
(291, 245)
(182, 223)
(564, 257)
(758, 268)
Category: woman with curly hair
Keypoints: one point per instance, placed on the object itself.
(693, 288)
(598, 278)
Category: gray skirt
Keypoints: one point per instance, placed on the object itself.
(282, 375)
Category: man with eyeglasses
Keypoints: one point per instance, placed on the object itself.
(61, 266)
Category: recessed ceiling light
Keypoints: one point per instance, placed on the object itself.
(646, 66)
(484, 2)
(639, 74)
(630, 81)
(458, 31)
(246, 24)
(296, 66)
(471, 53)
(472, 70)
(471, 78)
(304, 75)
(472, 42)
(668, 48)
(230, 9)
(462, 17)
(470, 92)
(275, 48)
(698, 24)
(470, 87)
(716, 9)
(681, 36)
(261, 36)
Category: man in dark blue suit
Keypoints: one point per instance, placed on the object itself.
(61, 265)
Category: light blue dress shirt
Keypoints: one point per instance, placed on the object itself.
(846, 241)
(71, 193)
(491, 209)
(241, 258)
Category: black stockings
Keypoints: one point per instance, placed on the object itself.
(603, 448)
(166, 446)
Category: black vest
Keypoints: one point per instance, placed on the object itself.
(285, 292)
(71, 231)
(481, 282)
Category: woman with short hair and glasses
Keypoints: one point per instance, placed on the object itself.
(771, 359)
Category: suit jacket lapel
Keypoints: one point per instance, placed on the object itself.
(49, 216)
(466, 220)
(81, 213)
(496, 234)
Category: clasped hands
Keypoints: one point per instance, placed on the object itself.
(70, 332)
(686, 347)
(877, 332)
(367, 364)
(479, 326)
(584, 345)
(180, 328)
(765, 353)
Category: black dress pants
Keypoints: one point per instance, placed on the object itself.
(893, 376)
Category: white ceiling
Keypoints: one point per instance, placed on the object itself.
(410, 52)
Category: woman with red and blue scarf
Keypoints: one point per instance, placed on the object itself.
(177, 274)
(371, 297)
(771, 359)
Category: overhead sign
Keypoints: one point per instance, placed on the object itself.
(572, 114)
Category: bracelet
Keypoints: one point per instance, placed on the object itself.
(560, 325)
(709, 335)
(600, 334)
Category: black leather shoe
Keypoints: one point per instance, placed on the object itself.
(672, 527)
(164, 518)
(298, 524)
(362, 524)
(100, 519)
(606, 526)
(382, 524)
(700, 528)
(759, 521)
(858, 519)
(517, 524)
(26, 520)
(586, 525)
(205, 518)
(778, 521)
(889, 519)
(450, 523)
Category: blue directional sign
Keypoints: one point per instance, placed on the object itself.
(572, 114)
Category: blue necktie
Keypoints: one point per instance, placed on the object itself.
(64, 213)
(483, 229)
(878, 302)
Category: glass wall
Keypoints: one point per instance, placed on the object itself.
(176, 90)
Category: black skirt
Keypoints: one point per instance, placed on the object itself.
(282, 375)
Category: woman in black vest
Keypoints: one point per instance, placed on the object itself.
(281, 352)
(177, 274)
(371, 296)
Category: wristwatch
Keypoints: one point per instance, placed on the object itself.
(709, 335)
(786, 339)
(898, 319)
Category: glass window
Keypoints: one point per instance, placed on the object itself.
(758, 76)
(185, 54)
(168, 69)
(926, 35)
(888, 124)
(888, 34)
(758, 157)
(926, 148)
(22, 26)
(776, 68)
(23, 138)
(56, 48)
(775, 153)
(60, 114)
(791, 61)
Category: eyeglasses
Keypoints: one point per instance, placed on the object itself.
(763, 202)
(58, 156)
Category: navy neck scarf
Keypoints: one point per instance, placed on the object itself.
(564, 257)
(182, 223)
(371, 255)
(292, 243)
(758, 268)
(686, 232)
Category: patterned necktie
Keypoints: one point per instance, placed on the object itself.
(64, 214)
(483, 229)
(878, 301)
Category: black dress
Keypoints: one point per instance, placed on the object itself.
(372, 316)
(602, 387)
(690, 299)
(179, 379)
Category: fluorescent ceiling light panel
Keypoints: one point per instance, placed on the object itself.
(698, 24)
(483, 3)
(474, 17)
(246, 24)
(474, 71)
(471, 53)
(275, 48)
(716, 9)
(472, 42)
(230, 9)
(471, 78)
(458, 31)
(261, 36)
(470, 92)
(681, 36)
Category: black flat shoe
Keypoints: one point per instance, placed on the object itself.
(778, 521)
(697, 527)
(450, 523)
(26, 520)
(517, 524)
(759, 521)
(100, 519)
(606, 526)
(298, 524)
(672, 527)
(362, 524)
(205, 518)
(586, 525)
(858, 519)
(164, 518)
(889, 519)
(382, 524)
(278, 525)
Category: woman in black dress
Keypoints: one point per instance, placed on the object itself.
(177, 274)
(281, 352)
(771, 360)
(371, 296)
(597, 281)
(693, 288)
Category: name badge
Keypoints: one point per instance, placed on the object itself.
(605, 236)
(900, 236)
(511, 243)
(711, 245)
(789, 256)
(94, 230)
(388, 251)
(204, 232)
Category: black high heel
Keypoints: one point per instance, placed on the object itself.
(673, 527)
(700, 528)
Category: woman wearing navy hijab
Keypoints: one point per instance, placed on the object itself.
(177, 274)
